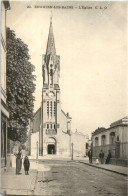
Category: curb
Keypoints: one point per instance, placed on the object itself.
(33, 184)
(103, 168)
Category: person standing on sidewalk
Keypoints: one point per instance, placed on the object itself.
(90, 156)
(108, 157)
(101, 157)
(26, 165)
(18, 161)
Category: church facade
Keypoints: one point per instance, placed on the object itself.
(51, 126)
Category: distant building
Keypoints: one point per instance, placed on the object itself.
(51, 126)
(115, 139)
(4, 109)
(88, 145)
(79, 141)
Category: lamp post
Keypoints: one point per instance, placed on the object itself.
(37, 151)
(72, 152)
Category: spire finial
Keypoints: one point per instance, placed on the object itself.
(51, 18)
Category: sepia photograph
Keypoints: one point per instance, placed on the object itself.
(64, 110)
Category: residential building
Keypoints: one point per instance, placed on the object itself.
(115, 139)
(4, 109)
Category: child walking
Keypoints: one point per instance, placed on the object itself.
(26, 165)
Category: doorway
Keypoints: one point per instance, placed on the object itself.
(51, 149)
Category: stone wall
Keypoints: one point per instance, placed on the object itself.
(79, 144)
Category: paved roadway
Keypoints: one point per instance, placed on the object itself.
(66, 178)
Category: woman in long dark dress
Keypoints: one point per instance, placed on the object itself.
(101, 156)
(18, 162)
(108, 157)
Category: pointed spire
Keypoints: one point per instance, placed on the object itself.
(51, 18)
(51, 44)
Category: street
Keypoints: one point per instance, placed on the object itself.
(62, 178)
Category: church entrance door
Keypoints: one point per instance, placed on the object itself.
(51, 149)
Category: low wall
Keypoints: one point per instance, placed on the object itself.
(120, 162)
(120, 151)
(115, 161)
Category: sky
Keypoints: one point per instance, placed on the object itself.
(93, 58)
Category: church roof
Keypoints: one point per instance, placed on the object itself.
(66, 115)
(37, 111)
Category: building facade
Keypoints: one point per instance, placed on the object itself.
(50, 129)
(4, 109)
(115, 139)
(79, 141)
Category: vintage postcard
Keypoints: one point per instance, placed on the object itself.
(64, 117)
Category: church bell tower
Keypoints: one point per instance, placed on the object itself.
(50, 107)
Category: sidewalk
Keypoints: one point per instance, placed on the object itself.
(19, 184)
(112, 168)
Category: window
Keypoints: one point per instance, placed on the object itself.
(54, 126)
(96, 141)
(51, 108)
(51, 76)
(51, 72)
(51, 126)
(103, 140)
(54, 108)
(48, 108)
(47, 126)
(112, 137)
(117, 139)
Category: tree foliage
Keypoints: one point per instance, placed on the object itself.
(99, 130)
(20, 87)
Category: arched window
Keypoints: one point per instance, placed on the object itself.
(96, 141)
(44, 75)
(103, 140)
(112, 137)
(117, 139)
(51, 76)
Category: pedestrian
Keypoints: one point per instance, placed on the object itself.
(101, 157)
(18, 161)
(90, 156)
(26, 165)
(108, 157)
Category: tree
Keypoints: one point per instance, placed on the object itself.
(99, 130)
(20, 87)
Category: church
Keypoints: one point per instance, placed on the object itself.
(51, 126)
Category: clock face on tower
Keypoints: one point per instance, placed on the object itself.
(51, 94)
